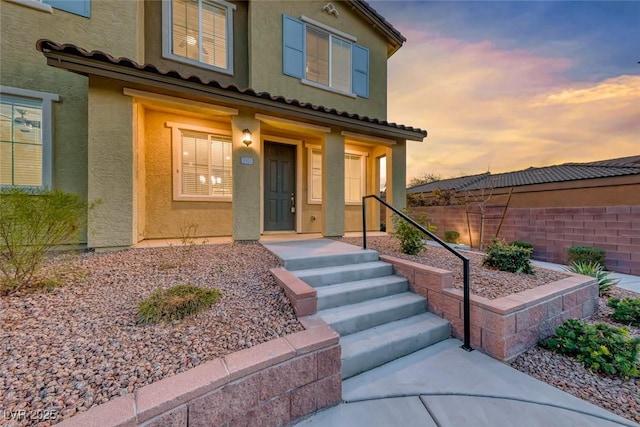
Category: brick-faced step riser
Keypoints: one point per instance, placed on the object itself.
(393, 349)
(331, 260)
(350, 275)
(354, 296)
(376, 318)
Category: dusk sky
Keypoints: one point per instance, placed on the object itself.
(505, 85)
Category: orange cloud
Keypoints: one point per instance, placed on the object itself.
(503, 110)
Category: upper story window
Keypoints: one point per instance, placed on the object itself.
(199, 32)
(25, 137)
(324, 57)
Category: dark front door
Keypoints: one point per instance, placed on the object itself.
(279, 186)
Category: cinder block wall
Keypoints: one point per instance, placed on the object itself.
(616, 229)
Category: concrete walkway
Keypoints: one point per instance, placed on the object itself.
(444, 385)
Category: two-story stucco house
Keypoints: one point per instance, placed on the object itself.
(233, 118)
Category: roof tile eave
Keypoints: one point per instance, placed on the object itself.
(45, 45)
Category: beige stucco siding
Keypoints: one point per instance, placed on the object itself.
(111, 166)
(166, 218)
(265, 53)
(112, 28)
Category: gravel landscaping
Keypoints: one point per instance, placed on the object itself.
(484, 282)
(617, 395)
(80, 345)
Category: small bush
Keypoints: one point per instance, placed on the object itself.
(34, 222)
(585, 254)
(383, 226)
(505, 257)
(411, 239)
(626, 310)
(451, 236)
(599, 347)
(522, 244)
(605, 283)
(176, 303)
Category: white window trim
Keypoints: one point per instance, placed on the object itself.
(176, 139)
(310, 149)
(327, 88)
(327, 28)
(167, 30)
(46, 126)
(363, 175)
(332, 33)
(33, 4)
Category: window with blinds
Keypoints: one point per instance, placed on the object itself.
(21, 147)
(316, 176)
(353, 174)
(328, 59)
(201, 32)
(206, 165)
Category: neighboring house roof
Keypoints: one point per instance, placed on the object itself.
(448, 184)
(558, 173)
(79, 60)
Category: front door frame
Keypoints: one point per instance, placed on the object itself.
(299, 193)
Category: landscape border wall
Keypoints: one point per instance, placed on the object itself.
(271, 384)
(502, 327)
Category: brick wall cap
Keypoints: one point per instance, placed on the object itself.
(250, 360)
(164, 395)
(116, 412)
(312, 339)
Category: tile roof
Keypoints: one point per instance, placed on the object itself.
(380, 20)
(542, 175)
(45, 46)
(448, 184)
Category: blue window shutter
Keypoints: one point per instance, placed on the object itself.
(78, 7)
(293, 52)
(360, 70)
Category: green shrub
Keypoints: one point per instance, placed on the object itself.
(522, 244)
(505, 257)
(593, 269)
(411, 239)
(383, 226)
(585, 254)
(599, 347)
(626, 310)
(34, 222)
(451, 236)
(176, 303)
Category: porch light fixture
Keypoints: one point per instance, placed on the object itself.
(246, 137)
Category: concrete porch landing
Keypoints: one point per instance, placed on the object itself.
(290, 251)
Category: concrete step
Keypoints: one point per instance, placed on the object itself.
(330, 260)
(344, 273)
(374, 347)
(353, 318)
(362, 290)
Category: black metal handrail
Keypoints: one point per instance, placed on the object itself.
(465, 261)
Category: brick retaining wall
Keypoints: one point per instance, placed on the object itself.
(271, 384)
(616, 229)
(502, 327)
